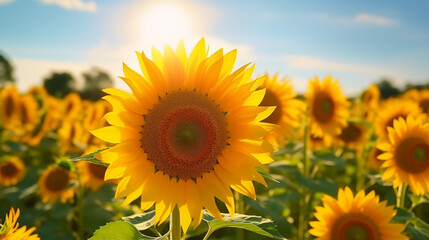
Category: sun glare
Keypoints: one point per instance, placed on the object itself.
(165, 23)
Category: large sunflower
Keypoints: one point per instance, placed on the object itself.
(392, 109)
(9, 229)
(12, 170)
(407, 155)
(288, 113)
(328, 107)
(191, 128)
(56, 183)
(360, 217)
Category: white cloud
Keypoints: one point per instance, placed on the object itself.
(373, 19)
(5, 1)
(73, 4)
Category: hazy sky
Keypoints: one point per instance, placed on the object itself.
(357, 42)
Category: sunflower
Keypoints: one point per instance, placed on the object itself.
(12, 170)
(350, 217)
(70, 136)
(56, 183)
(392, 109)
(328, 107)
(373, 162)
(9, 102)
(92, 175)
(191, 128)
(288, 112)
(71, 106)
(34, 137)
(407, 155)
(28, 112)
(9, 229)
(353, 136)
(320, 142)
(370, 98)
(420, 97)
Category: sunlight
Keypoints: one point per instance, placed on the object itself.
(165, 23)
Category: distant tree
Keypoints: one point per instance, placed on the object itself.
(59, 84)
(6, 71)
(95, 80)
(387, 89)
(417, 86)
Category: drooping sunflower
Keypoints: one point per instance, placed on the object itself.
(288, 113)
(373, 163)
(56, 183)
(407, 155)
(9, 229)
(12, 170)
(9, 102)
(392, 109)
(92, 175)
(360, 217)
(191, 128)
(353, 136)
(327, 106)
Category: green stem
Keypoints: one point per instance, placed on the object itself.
(239, 208)
(400, 195)
(175, 231)
(306, 173)
(80, 198)
(360, 171)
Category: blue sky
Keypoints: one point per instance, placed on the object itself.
(357, 42)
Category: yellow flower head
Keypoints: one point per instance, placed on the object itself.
(407, 155)
(9, 103)
(70, 135)
(373, 163)
(320, 142)
(288, 113)
(328, 107)
(191, 127)
(420, 97)
(9, 229)
(56, 183)
(71, 106)
(353, 136)
(370, 98)
(360, 217)
(392, 109)
(12, 170)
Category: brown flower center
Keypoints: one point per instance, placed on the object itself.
(412, 155)
(24, 115)
(97, 170)
(8, 169)
(355, 226)
(9, 105)
(323, 108)
(351, 133)
(424, 105)
(271, 99)
(184, 134)
(57, 179)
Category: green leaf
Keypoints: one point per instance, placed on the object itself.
(420, 226)
(416, 200)
(117, 230)
(328, 158)
(141, 221)
(416, 234)
(91, 158)
(266, 174)
(403, 215)
(256, 224)
(319, 185)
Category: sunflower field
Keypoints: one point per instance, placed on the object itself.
(199, 148)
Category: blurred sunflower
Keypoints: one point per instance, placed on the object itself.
(320, 142)
(191, 128)
(328, 107)
(28, 112)
(355, 217)
(392, 109)
(353, 136)
(56, 183)
(421, 97)
(373, 162)
(70, 135)
(34, 137)
(9, 102)
(9, 229)
(71, 106)
(12, 170)
(407, 155)
(370, 98)
(92, 175)
(288, 113)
